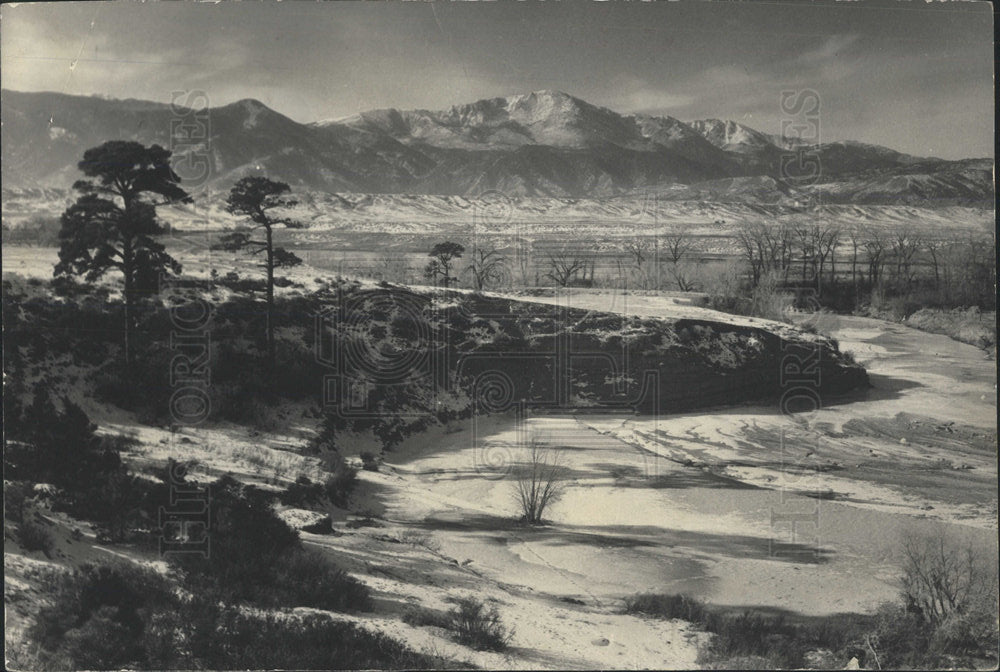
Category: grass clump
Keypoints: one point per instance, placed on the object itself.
(667, 606)
(420, 617)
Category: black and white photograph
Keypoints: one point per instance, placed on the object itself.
(499, 335)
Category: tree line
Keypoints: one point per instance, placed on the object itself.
(867, 260)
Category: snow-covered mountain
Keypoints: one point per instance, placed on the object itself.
(545, 143)
(733, 137)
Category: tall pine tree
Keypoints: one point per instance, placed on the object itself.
(262, 202)
(113, 224)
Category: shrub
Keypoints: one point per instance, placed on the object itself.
(943, 576)
(303, 493)
(98, 615)
(121, 615)
(341, 482)
(369, 462)
(142, 386)
(117, 504)
(477, 626)
(537, 482)
(756, 635)
(228, 638)
(750, 640)
(33, 536)
(307, 578)
(897, 639)
(56, 445)
(255, 557)
(948, 608)
(248, 543)
(971, 633)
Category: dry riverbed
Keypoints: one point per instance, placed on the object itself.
(696, 503)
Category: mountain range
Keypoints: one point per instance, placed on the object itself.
(544, 143)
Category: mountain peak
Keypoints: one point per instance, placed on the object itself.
(732, 136)
(552, 93)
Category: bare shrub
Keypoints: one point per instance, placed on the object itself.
(537, 481)
(943, 576)
(947, 616)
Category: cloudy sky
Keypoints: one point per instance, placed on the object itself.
(914, 76)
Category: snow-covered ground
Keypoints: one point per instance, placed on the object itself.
(697, 503)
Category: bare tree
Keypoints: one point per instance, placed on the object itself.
(904, 246)
(827, 239)
(637, 251)
(523, 260)
(488, 267)
(805, 236)
(934, 249)
(856, 234)
(748, 235)
(538, 483)
(391, 267)
(874, 245)
(564, 265)
(766, 247)
(676, 249)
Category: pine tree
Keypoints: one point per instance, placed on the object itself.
(113, 224)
